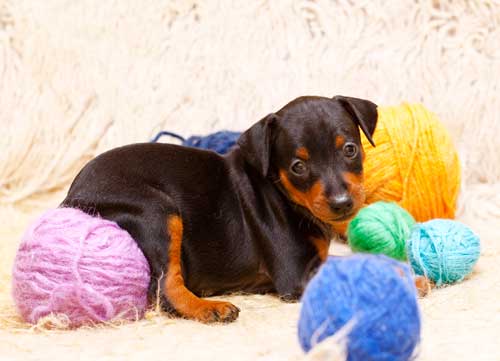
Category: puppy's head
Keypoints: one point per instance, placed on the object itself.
(312, 149)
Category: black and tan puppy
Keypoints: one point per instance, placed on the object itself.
(255, 220)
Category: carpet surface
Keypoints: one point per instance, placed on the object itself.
(80, 77)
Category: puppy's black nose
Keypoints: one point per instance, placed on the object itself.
(341, 204)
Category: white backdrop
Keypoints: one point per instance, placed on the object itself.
(79, 77)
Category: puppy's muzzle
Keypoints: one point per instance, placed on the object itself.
(342, 205)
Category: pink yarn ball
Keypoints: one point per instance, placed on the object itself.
(84, 267)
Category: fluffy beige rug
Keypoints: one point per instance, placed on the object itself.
(80, 77)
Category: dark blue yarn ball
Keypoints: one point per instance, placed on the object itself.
(378, 293)
(220, 142)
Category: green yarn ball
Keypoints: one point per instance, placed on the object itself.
(381, 227)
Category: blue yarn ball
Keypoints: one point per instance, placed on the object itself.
(376, 292)
(443, 250)
(220, 142)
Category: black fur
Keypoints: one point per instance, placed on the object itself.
(241, 230)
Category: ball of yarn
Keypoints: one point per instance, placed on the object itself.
(83, 267)
(414, 163)
(381, 227)
(220, 142)
(443, 250)
(374, 292)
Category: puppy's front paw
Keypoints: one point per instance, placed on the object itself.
(217, 311)
(423, 285)
(290, 297)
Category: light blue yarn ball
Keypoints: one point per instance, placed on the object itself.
(376, 292)
(443, 250)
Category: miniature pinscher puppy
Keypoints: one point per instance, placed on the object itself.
(255, 220)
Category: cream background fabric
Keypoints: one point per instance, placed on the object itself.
(80, 77)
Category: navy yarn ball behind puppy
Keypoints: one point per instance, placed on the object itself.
(221, 142)
(377, 293)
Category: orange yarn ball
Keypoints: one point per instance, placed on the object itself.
(414, 163)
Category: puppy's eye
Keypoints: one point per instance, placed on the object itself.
(350, 150)
(299, 167)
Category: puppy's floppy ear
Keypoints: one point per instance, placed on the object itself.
(255, 144)
(364, 113)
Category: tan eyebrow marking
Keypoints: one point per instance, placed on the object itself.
(302, 153)
(339, 141)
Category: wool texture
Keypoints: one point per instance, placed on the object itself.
(381, 227)
(443, 250)
(220, 142)
(414, 163)
(374, 292)
(83, 267)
